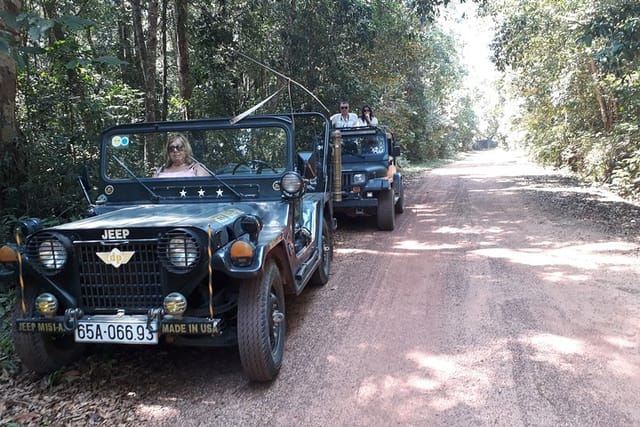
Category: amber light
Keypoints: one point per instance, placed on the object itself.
(241, 253)
(8, 255)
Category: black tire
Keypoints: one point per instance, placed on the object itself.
(386, 211)
(400, 203)
(42, 353)
(261, 325)
(320, 277)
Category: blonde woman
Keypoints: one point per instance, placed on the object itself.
(179, 161)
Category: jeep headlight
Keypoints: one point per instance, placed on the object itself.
(292, 185)
(182, 251)
(179, 250)
(359, 178)
(48, 251)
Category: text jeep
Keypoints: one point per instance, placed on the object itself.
(371, 182)
(204, 260)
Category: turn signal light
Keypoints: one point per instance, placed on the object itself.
(241, 253)
(7, 254)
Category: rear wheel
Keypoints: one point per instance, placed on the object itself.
(42, 353)
(321, 275)
(386, 211)
(261, 325)
(400, 203)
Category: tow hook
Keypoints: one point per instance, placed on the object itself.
(71, 316)
(153, 317)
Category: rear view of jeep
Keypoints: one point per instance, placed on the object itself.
(371, 184)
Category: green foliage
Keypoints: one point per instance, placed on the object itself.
(81, 72)
(574, 66)
(7, 351)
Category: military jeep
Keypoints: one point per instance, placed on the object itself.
(371, 183)
(202, 261)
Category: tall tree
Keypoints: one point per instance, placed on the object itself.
(182, 43)
(7, 80)
(147, 45)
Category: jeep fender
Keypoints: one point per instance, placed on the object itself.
(377, 184)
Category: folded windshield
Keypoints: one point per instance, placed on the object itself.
(194, 153)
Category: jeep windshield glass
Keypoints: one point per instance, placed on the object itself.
(362, 146)
(236, 153)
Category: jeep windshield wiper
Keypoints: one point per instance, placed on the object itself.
(220, 180)
(154, 196)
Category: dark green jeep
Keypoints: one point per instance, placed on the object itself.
(371, 182)
(200, 260)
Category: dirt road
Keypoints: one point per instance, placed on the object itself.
(486, 306)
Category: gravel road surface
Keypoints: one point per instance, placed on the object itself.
(506, 296)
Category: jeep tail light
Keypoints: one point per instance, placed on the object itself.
(241, 253)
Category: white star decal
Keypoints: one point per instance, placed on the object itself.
(219, 192)
(200, 192)
(183, 193)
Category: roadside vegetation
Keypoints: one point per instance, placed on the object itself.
(571, 83)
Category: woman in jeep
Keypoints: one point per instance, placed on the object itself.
(179, 160)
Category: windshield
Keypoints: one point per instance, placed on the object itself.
(159, 155)
(363, 145)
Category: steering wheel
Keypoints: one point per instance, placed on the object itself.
(259, 165)
(236, 167)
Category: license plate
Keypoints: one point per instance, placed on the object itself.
(129, 330)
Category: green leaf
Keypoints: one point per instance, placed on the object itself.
(75, 23)
(108, 60)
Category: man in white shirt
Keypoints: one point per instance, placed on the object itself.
(344, 119)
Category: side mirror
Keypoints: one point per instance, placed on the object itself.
(396, 151)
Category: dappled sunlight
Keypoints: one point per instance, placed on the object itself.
(414, 245)
(619, 342)
(354, 251)
(559, 276)
(554, 344)
(468, 230)
(157, 412)
(439, 382)
(590, 256)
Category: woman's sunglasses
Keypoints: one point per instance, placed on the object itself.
(175, 148)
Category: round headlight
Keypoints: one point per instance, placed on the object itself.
(179, 250)
(182, 251)
(359, 179)
(292, 185)
(47, 304)
(175, 304)
(52, 254)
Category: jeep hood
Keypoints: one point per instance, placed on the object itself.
(199, 215)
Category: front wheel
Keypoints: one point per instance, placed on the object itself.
(386, 210)
(321, 275)
(261, 324)
(42, 353)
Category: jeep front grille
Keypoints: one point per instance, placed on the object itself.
(134, 286)
(346, 182)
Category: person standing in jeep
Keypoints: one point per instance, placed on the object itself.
(344, 119)
(366, 117)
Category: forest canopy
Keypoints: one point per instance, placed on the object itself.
(82, 66)
(570, 80)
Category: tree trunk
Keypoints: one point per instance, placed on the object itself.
(7, 85)
(147, 45)
(186, 83)
(606, 111)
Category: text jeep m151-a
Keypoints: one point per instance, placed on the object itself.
(203, 260)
